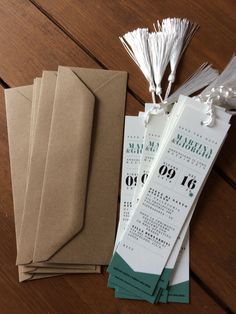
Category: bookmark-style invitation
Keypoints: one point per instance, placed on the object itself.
(185, 157)
(180, 139)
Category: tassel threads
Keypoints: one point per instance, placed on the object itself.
(201, 78)
(153, 51)
(160, 46)
(184, 31)
(136, 44)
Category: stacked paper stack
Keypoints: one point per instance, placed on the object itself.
(167, 158)
(168, 154)
(65, 169)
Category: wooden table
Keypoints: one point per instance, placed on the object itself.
(41, 34)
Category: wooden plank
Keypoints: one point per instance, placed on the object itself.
(39, 47)
(16, 72)
(123, 16)
(227, 157)
(199, 302)
(217, 21)
(67, 294)
(212, 239)
(30, 43)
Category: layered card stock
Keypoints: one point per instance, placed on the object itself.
(172, 170)
(168, 154)
(140, 146)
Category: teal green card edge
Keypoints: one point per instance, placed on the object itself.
(124, 285)
(163, 297)
(165, 277)
(175, 294)
(122, 294)
(179, 293)
(125, 295)
(110, 283)
(163, 284)
(143, 281)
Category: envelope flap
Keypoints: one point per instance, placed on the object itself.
(65, 179)
(18, 95)
(103, 187)
(95, 79)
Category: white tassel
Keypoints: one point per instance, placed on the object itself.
(160, 46)
(136, 44)
(204, 75)
(184, 30)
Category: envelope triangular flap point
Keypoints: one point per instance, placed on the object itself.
(94, 243)
(65, 180)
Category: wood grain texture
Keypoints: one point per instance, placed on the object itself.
(30, 42)
(214, 42)
(213, 248)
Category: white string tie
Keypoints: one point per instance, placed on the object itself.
(155, 110)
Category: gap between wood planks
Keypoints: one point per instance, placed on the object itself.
(219, 171)
(211, 293)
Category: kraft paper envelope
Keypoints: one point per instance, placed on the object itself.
(42, 101)
(65, 234)
(18, 108)
(46, 94)
(18, 111)
(36, 167)
(36, 171)
(45, 269)
(51, 270)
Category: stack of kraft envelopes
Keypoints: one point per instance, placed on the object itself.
(65, 138)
